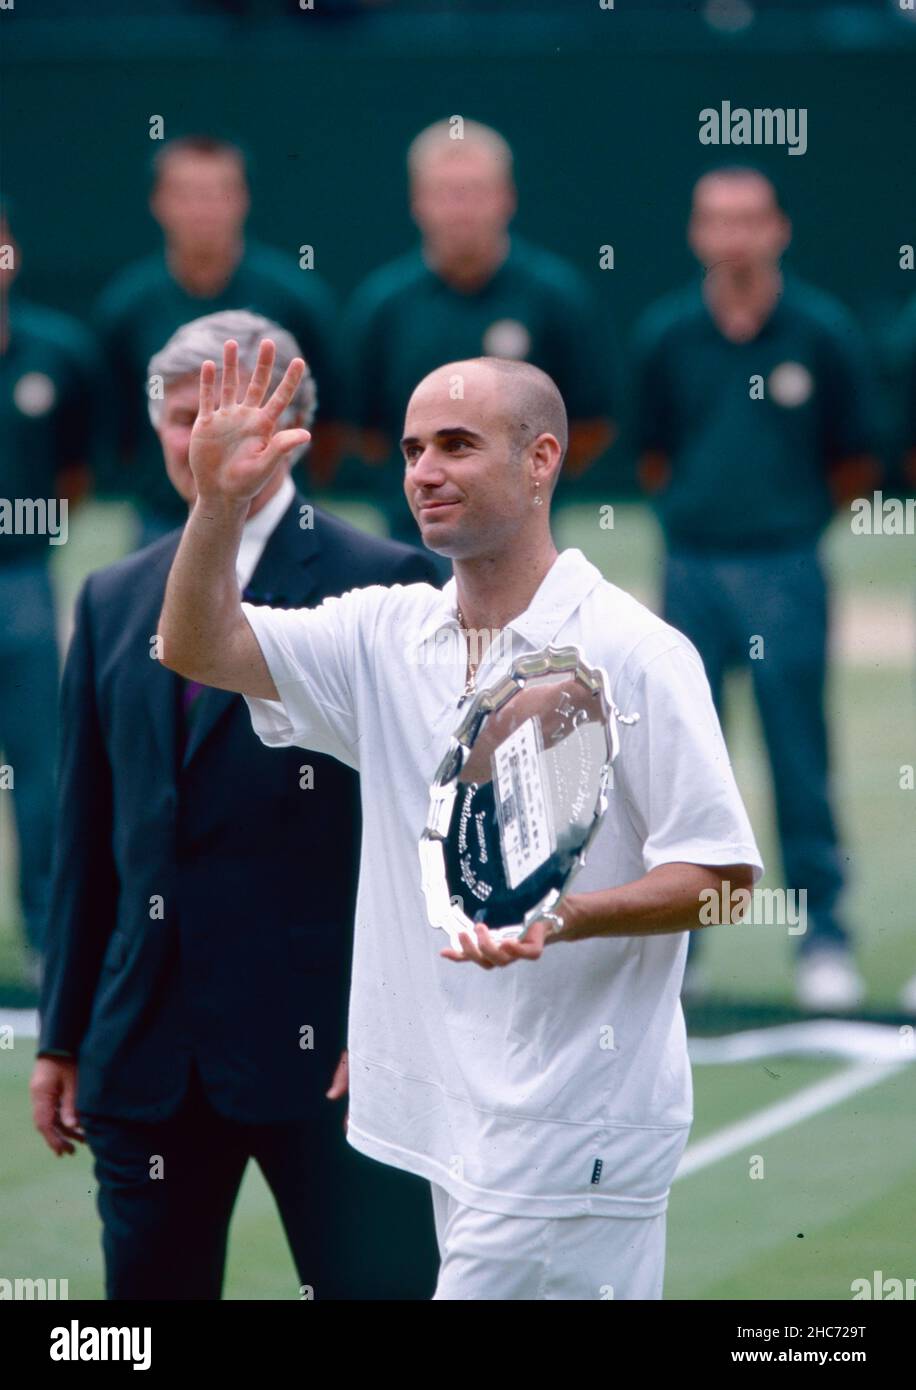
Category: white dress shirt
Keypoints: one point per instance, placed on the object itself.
(505, 1086)
(258, 530)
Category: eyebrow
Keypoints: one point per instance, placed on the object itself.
(446, 432)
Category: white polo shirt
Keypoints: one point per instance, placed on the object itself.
(507, 1086)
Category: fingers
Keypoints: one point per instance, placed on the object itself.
(257, 386)
(68, 1116)
(523, 950)
(282, 442)
(53, 1135)
(54, 1112)
(484, 951)
(207, 390)
(533, 943)
(286, 389)
(480, 948)
(341, 1080)
(504, 952)
(230, 388)
(260, 380)
(44, 1109)
(465, 955)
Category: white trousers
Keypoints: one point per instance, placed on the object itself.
(488, 1256)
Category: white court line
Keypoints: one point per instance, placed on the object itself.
(24, 1022)
(813, 1037)
(844, 1038)
(784, 1114)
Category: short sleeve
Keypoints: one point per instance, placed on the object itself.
(310, 653)
(674, 770)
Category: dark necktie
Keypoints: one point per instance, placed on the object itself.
(191, 692)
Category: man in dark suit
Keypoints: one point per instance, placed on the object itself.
(193, 1005)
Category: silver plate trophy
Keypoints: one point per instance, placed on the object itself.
(519, 796)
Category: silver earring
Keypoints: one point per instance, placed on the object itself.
(538, 499)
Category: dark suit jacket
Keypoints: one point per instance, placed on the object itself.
(202, 899)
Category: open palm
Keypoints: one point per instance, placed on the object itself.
(235, 446)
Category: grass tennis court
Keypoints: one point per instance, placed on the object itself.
(838, 1199)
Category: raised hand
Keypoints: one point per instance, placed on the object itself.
(233, 449)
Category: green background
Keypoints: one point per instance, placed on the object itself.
(602, 111)
(601, 108)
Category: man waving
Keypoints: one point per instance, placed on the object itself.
(548, 1104)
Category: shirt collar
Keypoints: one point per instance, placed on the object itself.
(570, 578)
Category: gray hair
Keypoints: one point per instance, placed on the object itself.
(202, 340)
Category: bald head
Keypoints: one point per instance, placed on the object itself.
(483, 445)
(529, 400)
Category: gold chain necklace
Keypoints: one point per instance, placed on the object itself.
(470, 684)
